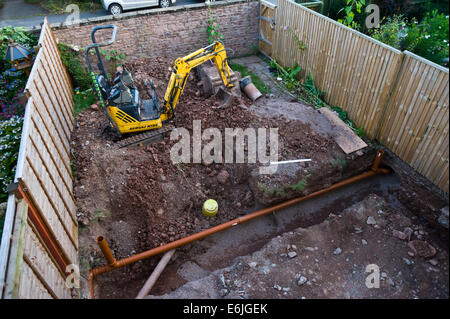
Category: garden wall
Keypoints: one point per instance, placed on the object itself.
(173, 32)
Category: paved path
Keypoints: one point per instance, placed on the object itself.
(20, 14)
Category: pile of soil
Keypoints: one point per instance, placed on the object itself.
(138, 199)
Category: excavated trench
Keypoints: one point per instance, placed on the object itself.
(138, 200)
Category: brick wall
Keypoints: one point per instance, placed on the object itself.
(173, 32)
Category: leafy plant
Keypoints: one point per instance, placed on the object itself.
(10, 133)
(429, 38)
(12, 107)
(392, 31)
(299, 42)
(113, 56)
(213, 28)
(351, 7)
(82, 100)
(78, 72)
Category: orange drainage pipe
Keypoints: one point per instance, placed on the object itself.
(113, 263)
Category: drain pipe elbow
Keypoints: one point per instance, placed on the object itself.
(101, 241)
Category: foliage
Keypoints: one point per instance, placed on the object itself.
(392, 31)
(114, 57)
(19, 35)
(288, 75)
(351, 8)
(430, 38)
(411, 8)
(12, 107)
(213, 28)
(1, 6)
(11, 83)
(309, 93)
(260, 85)
(71, 59)
(59, 6)
(10, 133)
(82, 100)
(299, 42)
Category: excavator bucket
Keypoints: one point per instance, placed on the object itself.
(223, 98)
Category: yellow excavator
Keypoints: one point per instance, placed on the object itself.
(125, 109)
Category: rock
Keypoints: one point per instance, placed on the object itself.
(337, 251)
(364, 242)
(434, 262)
(411, 254)
(277, 287)
(422, 248)
(408, 232)
(252, 264)
(292, 254)
(223, 176)
(83, 220)
(371, 221)
(223, 292)
(443, 218)
(160, 211)
(407, 261)
(398, 234)
(301, 280)
(94, 107)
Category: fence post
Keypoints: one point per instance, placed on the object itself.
(388, 101)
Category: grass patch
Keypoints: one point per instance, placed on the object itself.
(82, 101)
(260, 85)
(1, 4)
(59, 6)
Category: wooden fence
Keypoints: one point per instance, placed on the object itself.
(399, 98)
(40, 237)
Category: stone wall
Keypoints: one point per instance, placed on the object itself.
(172, 32)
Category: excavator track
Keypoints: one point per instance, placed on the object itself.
(140, 139)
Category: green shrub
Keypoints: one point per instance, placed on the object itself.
(82, 100)
(430, 38)
(392, 31)
(10, 133)
(72, 59)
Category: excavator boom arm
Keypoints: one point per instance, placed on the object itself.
(183, 67)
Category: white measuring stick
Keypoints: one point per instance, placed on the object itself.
(291, 161)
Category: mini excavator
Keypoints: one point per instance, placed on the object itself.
(126, 111)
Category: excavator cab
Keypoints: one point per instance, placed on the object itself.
(126, 110)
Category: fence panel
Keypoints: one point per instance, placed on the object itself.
(415, 126)
(398, 97)
(355, 71)
(43, 235)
